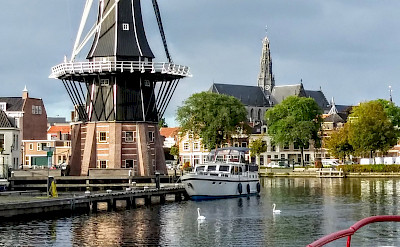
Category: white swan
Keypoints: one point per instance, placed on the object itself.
(275, 211)
(200, 217)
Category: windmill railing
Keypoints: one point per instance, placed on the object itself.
(76, 68)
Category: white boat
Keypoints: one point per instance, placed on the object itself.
(226, 174)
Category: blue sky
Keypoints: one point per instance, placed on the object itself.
(348, 48)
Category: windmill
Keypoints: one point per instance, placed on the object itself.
(119, 92)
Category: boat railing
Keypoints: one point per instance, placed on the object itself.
(349, 232)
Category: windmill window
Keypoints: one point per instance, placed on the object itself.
(125, 26)
(104, 82)
(147, 83)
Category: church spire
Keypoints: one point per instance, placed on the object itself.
(266, 79)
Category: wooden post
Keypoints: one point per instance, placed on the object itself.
(178, 197)
(109, 205)
(94, 207)
(114, 204)
(162, 199)
(147, 200)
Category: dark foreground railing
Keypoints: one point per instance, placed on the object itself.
(349, 232)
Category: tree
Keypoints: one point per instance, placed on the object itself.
(338, 144)
(162, 123)
(295, 120)
(371, 129)
(257, 147)
(391, 110)
(212, 117)
(174, 151)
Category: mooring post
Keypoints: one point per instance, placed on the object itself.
(109, 205)
(128, 202)
(178, 197)
(158, 180)
(147, 200)
(114, 204)
(162, 199)
(94, 206)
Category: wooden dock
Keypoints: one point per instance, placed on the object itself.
(330, 173)
(89, 201)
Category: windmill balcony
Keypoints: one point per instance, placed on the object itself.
(87, 68)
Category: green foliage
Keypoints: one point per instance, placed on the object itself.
(371, 129)
(162, 123)
(257, 147)
(174, 151)
(391, 110)
(338, 143)
(295, 119)
(369, 168)
(212, 117)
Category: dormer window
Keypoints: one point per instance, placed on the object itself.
(125, 26)
(3, 106)
(104, 82)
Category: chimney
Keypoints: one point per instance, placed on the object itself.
(25, 93)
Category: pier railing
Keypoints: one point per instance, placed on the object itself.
(73, 68)
(349, 232)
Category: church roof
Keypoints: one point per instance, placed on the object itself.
(13, 103)
(5, 121)
(319, 97)
(279, 93)
(248, 95)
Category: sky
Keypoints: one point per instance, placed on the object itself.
(349, 49)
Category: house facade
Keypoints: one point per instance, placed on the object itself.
(10, 143)
(28, 116)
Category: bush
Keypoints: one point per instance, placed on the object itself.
(369, 168)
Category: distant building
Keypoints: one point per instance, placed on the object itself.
(29, 116)
(10, 143)
(170, 136)
(258, 99)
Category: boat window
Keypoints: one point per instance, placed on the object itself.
(212, 168)
(223, 168)
(220, 158)
(200, 168)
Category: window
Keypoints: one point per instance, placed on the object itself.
(307, 146)
(296, 146)
(30, 146)
(236, 144)
(102, 164)
(104, 82)
(2, 141)
(27, 160)
(130, 136)
(3, 106)
(128, 164)
(286, 147)
(196, 146)
(102, 136)
(36, 109)
(147, 83)
(307, 157)
(244, 144)
(196, 160)
(125, 26)
(38, 147)
(151, 136)
(282, 156)
(186, 146)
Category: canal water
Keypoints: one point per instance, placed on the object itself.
(310, 208)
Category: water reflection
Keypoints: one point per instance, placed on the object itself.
(311, 208)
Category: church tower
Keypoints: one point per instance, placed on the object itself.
(266, 80)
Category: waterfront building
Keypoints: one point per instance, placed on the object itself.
(28, 115)
(170, 136)
(10, 144)
(61, 135)
(126, 93)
